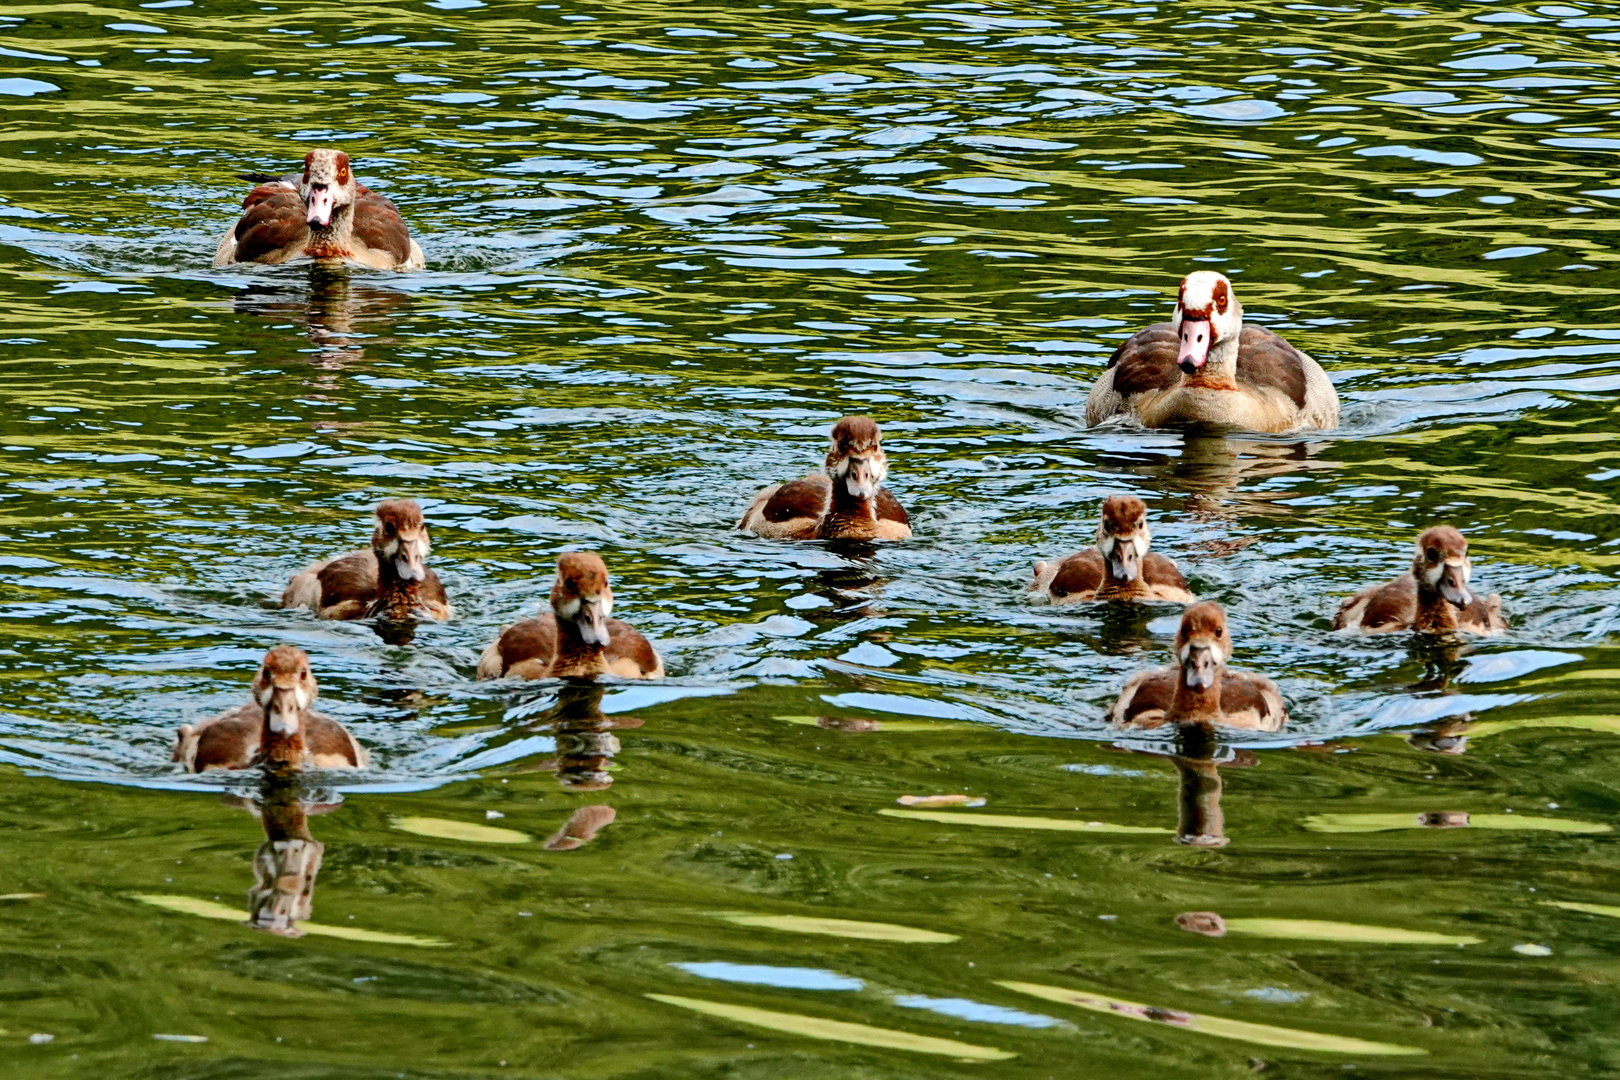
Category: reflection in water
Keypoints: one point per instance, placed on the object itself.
(581, 827)
(339, 312)
(1198, 756)
(1208, 470)
(286, 863)
(854, 587)
(586, 743)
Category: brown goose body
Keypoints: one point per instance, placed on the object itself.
(1120, 567)
(277, 729)
(1431, 598)
(575, 639)
(1200, 689)
(390, 581)
(1207, 369)
(846, 502)
(323, 213)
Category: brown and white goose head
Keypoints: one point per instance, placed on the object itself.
(285, 689)
(400, 541)
(1203, 646)
(1208, 323)
(1441, 565)
(581, 598)
(329, 191)
(855, 462)
(1123, 537)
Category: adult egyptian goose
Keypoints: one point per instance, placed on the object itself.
(1120, 567)
(1205, 369)
(575, 639)
(325, 213)
(846, 502)
(1432, 598)
(391, 581)
(1199, 688)
(277, 729)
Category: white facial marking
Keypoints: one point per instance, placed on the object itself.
(391, 548)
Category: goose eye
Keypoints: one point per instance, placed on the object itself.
(303, 676)
(1433, 554)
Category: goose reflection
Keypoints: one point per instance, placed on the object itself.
(1208, 471)
(285, 865)
(336, 311)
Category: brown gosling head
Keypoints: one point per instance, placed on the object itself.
(1441, 564)
(581, 596)
(328, 187)
(1202, 645)
(1207, 313)
(856, 457)
(401, 538)
(284, 688)
(1123, 536)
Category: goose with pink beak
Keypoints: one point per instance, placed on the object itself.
(1205, 369)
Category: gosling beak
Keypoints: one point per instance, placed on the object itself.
(1200, 667)
(284, 709)
(861, 479)
(319, 205)
(1454, 585)
(410, 561)
(592, 620)
(1196, 338)
(1124, 563)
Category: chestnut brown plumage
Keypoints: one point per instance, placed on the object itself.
(576, 638)
(846, 501)
(1199, 688)
(278, 728)
(1207, 369)
(323, 213)
(1431, 598)
(1119, 567)
(390, 581)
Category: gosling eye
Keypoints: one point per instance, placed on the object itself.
(1433, 554)
(303, 676)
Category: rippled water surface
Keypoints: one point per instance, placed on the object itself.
(667, 246)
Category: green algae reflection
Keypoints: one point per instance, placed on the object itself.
(816, 1027)
(208, 909)
(1260, 1034)
(1013, 821)
(848, 928)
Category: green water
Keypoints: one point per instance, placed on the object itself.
(667, 246)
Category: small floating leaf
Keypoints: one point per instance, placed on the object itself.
(1532, 950)
(1009, 821)
(1261, 1034)
(209, 909)
(1590, 909)
(1317, 930)
(849, 928)
(815, 1027)
(1348, 823)
(939, 800)
(445, 829)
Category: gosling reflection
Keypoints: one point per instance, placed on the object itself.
(854, 588)
(586, 743)
(338, 313)
(285, 865)
(1198, 756)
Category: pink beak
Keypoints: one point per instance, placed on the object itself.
(320, 204)
(1196, 338)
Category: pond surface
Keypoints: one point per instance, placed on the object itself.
(667, 246)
